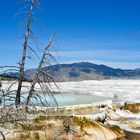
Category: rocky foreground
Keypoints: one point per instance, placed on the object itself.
(114, 119)
(97, 121)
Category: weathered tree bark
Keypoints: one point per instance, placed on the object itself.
(35, 79)
(3, 136)
(22, 65)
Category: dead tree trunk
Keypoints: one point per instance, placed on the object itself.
(3, 136)
(35, 80)
(22, 65)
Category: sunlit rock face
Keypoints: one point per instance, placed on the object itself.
(128, 119)
(82, 110)
(130, 127)
(84, 129)
(133, 107)
(80, 129)
(102, 132)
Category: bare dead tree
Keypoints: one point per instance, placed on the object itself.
(42, 77)
(13, 101)
(26, 38)
(40, 71)
(3, 136)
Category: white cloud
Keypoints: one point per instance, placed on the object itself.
(122, 65)
(113, 58)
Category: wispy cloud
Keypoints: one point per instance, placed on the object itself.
(122, 65)
(115, 58)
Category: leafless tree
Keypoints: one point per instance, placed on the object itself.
(15, 103)
(42, 73)
(26, 38)
(42, 77)
(3, 136)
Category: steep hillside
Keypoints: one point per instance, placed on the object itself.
(85, 71)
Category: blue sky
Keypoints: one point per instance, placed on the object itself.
(99, 31)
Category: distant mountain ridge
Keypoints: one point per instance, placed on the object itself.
(85, 71)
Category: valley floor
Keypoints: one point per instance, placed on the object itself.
(117, 90)
(125, 90)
